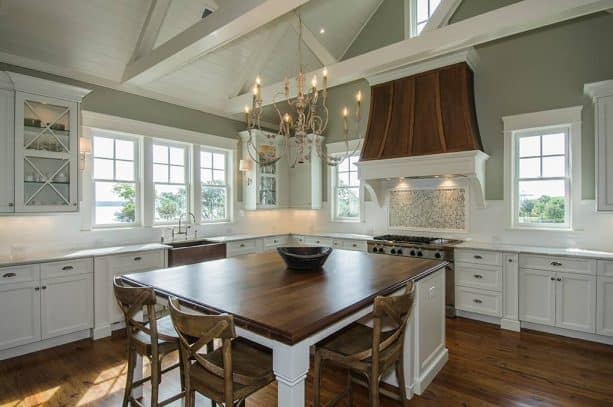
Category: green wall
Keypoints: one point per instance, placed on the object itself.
(130, 106)
(384, 28)
(471, 8)
(539, 70)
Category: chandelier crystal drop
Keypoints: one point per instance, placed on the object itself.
(301, 126)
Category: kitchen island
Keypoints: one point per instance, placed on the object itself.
(289, 311)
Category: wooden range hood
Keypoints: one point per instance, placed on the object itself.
(431, 112)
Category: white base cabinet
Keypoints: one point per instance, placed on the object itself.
(537, 301)
(604, 296)
(576, 302)
(19, 306)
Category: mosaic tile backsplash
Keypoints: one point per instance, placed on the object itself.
(443, 209)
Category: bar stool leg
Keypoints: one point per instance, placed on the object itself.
(401, 382)
(155, 381)
(130, 375)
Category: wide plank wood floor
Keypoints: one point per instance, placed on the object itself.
(487, 367)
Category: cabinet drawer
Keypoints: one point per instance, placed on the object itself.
(242, 247)
(320, 241)
(359, 245)
(605, 268)
(298, 239)
(477, 276)
(19, 274)
(275, 241)
(479, 301)
(478, 257)
(136, 262)
(66, 268)
(556, 263)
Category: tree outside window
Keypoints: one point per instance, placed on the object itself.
(347, 190)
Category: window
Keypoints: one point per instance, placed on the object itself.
(214, 180)
(542, 186)
(347, 190)
(169, 181)
(115, 179)
(421, 11)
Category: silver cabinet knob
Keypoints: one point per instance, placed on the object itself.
(556, 263)
(477, 301)
(478, 276)
(476, 256)
(11, 204)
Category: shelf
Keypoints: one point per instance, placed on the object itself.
(38, 130)
(43, 182)
(58, 155)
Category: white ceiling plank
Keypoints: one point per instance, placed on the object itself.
(442, 14)
(311, 41)
(260, 55)
(151, 28)
(235, 19)
(503, 22)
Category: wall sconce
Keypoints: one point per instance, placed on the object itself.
(85, 149)
(245, 166)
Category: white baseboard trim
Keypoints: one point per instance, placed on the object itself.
(100, 332)
(46, 344)
(510, 324)
(567, 332)
(478, 317)
(422, 383)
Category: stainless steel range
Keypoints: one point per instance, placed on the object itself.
(424, 247)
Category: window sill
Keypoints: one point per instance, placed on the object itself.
(541, 229)
(346, 220)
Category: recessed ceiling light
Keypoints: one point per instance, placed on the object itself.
(322, 30)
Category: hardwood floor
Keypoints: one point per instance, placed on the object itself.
(487, 367)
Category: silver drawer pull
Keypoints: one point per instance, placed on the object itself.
(555, 263)
(355, 245)
(66, 268)
(138, 258)
(276, 241)
(11, 204)
(242, 245)
(478, 276)
(317, 241)
(477, 301)
(478, 257)
(559, 279)
(552, 278)
(9, 275)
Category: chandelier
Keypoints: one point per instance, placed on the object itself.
(301, 126)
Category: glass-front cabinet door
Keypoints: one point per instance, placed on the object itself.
(267, 177)
(46, 154)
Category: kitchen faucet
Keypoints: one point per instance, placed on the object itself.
(180, 231)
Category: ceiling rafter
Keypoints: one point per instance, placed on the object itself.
(235, 19)
(503, 22)
(319, 50)
(259, 56)
(151, 28)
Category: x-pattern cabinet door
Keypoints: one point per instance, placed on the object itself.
(46, 154)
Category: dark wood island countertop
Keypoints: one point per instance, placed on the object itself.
(281, 304)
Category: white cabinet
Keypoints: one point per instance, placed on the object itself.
(264, 187)
(602, 94)
(7, 152)
(537, 302)
(271, 243)
(604, 307)
(576, 302)
(556, 298)
(241, 247)
(19, 306)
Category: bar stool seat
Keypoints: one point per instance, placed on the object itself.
(353, 339)
(248, 361)
(165, 328)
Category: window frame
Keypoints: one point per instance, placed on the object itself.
(137, 177)
(227, 184)
(413, 23)
(186, 176)
(540, 132)
(569, 117)
(334, 186)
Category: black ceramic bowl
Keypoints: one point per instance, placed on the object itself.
(304, 257)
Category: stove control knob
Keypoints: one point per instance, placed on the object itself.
(393, 251)
(375, 250)
(412, 253)
(399, 251)
(437, 255)
(419, 254)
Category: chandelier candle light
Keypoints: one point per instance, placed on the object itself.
(302, 127)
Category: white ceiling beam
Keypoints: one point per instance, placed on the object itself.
(151, 28)
(235, 19)
(503, 22)
(442, 15)
(319, 50)
(259, 57)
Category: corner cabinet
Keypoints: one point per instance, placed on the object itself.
(46, 145)
(264, 187)
(602, 95)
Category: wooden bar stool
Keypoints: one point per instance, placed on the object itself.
(153, 338)
(230, 373)
(370, 352)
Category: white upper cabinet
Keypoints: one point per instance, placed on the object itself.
(602, 94)
(45, 139)
(7, 192)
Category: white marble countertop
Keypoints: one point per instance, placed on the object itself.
(553, 251)
(59, 255)
(234, 238)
